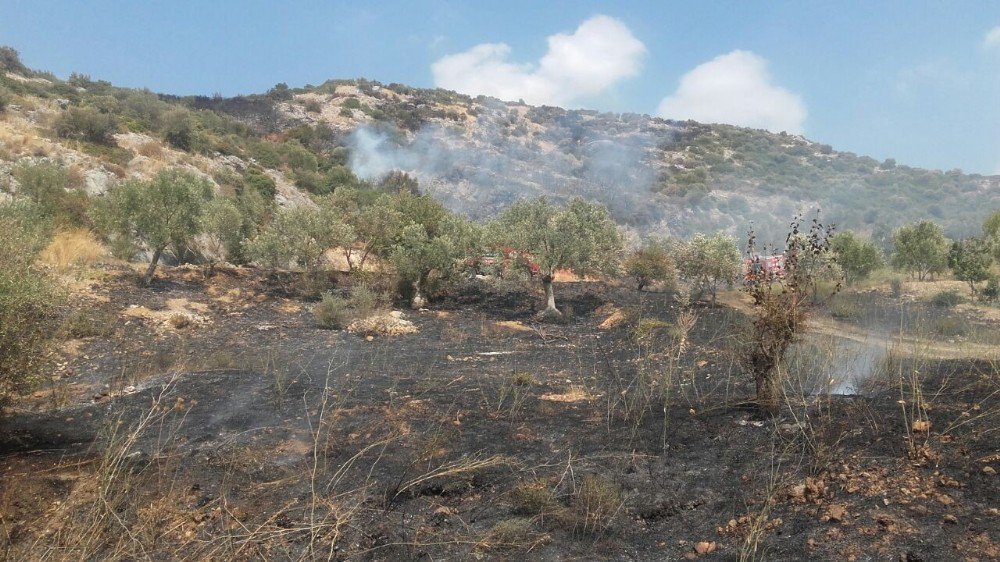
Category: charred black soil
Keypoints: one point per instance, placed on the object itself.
(213, 420)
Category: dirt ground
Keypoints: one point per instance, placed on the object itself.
(211, 419)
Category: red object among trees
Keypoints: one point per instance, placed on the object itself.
(764, 268)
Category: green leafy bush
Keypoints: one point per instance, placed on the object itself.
(86, 123)
(947, 299)
(336, 312)
(28, 299)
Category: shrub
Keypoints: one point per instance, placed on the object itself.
(5, 98)
(946, 299)
(27, 298)
(313, 106)
(991, 293)
(351, 103)
(332, 312)
(781, 306)
(87, 323)
(179, 130)
(650, 264)
(86, 123)
(337, 312)
(949, 327)
(896, 287)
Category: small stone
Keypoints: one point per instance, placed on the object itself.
(705, 547)
(835, 513)
(949, 518)
(989, 470)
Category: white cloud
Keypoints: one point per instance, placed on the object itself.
(586, 63)
(992, 38)
(735, 88)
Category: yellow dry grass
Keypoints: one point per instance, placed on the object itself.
(73, 247)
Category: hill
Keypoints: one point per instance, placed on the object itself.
(479, 154)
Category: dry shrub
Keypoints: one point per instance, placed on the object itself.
(72, 248)
(534, 498)
(391, 324)
(151, 149)
(597, 502)
(516, 533)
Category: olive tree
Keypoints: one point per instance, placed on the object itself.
(299, 236)
(650, 264)
(709, 261)
(581, 237)
(417, 254)
(376, 222)
(857, 257)
(920, 249)
(162, 212)
(222, 226)
(971, 260)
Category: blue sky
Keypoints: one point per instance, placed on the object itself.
(912, 80)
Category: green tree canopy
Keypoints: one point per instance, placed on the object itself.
(920, 249)
(971, 260)
(709, 261)
(162, 212)
(650, 264)
(857, 257)
(581, 237)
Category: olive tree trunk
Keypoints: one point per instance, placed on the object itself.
(148, 277)
(550, 296)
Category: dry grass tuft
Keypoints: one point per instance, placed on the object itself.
(151, 149)
(73, 248)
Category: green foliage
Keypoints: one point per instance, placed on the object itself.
(581, 237)
(179, 130)
(650, 264)
(971, 260)
(86, 123)
(920, 249)
(222, 223)
(991, 293)
(5, 98)
(991, 233)
(300, 236)
(417, 254)
(165, 211)
(857, 257)
(946, 299)
(335, 312)
(258, 180)
(27, 296)
(351, 103)
(707, 262)
(10, 61)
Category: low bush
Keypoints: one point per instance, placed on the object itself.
(949, 327)
(28, 298)
(85, 323)
(947, 299)
(896, 287)
(86, 123)
(335, 312)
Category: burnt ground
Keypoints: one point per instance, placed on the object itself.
(212, 420)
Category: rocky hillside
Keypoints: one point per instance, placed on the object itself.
(475, 154)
